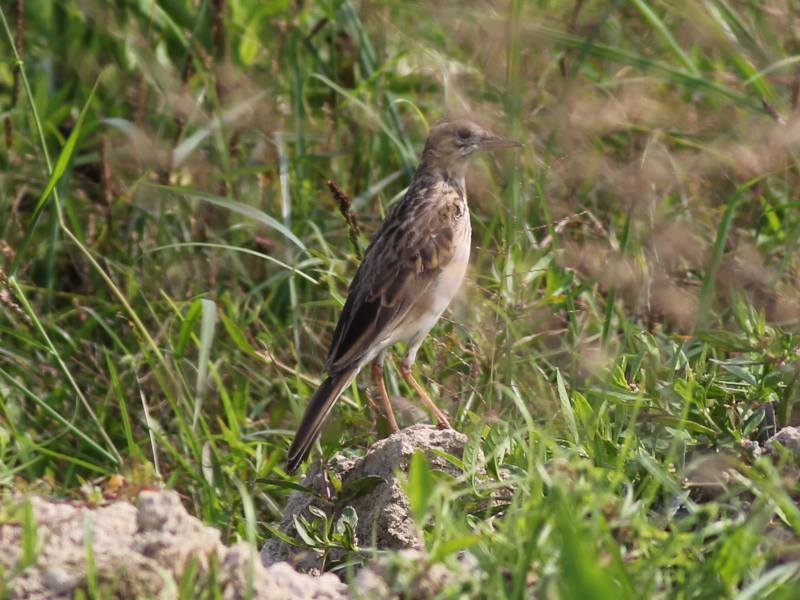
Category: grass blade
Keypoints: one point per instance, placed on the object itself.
(236, 206)
(64, 159)
(710, 279)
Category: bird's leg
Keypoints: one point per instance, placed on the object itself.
(377, 373)
(405, 371)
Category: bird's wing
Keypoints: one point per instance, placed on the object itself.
(409, 251)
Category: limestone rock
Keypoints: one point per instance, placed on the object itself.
(136, 552)
(789, 438)
(384, 519)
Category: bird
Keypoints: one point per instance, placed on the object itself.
(410, 272)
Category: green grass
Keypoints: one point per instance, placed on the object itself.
(173, 264)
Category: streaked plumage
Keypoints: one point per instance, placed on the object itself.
(410, 273)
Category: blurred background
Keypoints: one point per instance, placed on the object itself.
(173, 262)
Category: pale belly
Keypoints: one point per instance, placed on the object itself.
(427, 311)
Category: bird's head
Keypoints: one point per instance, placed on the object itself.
(454, 142)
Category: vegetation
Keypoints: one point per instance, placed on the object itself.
(173, 264)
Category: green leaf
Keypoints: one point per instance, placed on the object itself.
(185, 334)
(471, 454)
(237, 335)
(207, 326)
(662, 29)
(349, 517)
(497, 443)
(678, 423)
(419, 488)
(453, 460)
(710, 279)
(691, 391)
(566, 406)
(303, 532)
(276, 532)
(738, 370)
(260, 255)
(583, 411)
(358, 488)
(663, 477)
(444, 477)
(29, 538)
(133, 448)
(64, 159)
(318, 512)
(725, 340)
(209, 466)
(346, 528)
(236, 206)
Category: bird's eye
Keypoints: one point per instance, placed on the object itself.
(463, 133)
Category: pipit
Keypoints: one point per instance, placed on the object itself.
(410, 273)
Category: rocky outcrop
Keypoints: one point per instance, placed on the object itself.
(372, 488)
(50, 550)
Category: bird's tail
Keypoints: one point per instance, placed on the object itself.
(319, 406)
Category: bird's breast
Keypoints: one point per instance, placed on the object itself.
(451, 277)
(447, 283)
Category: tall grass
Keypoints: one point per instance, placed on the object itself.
(173, 265)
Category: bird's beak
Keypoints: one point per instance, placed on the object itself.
(499, 142)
